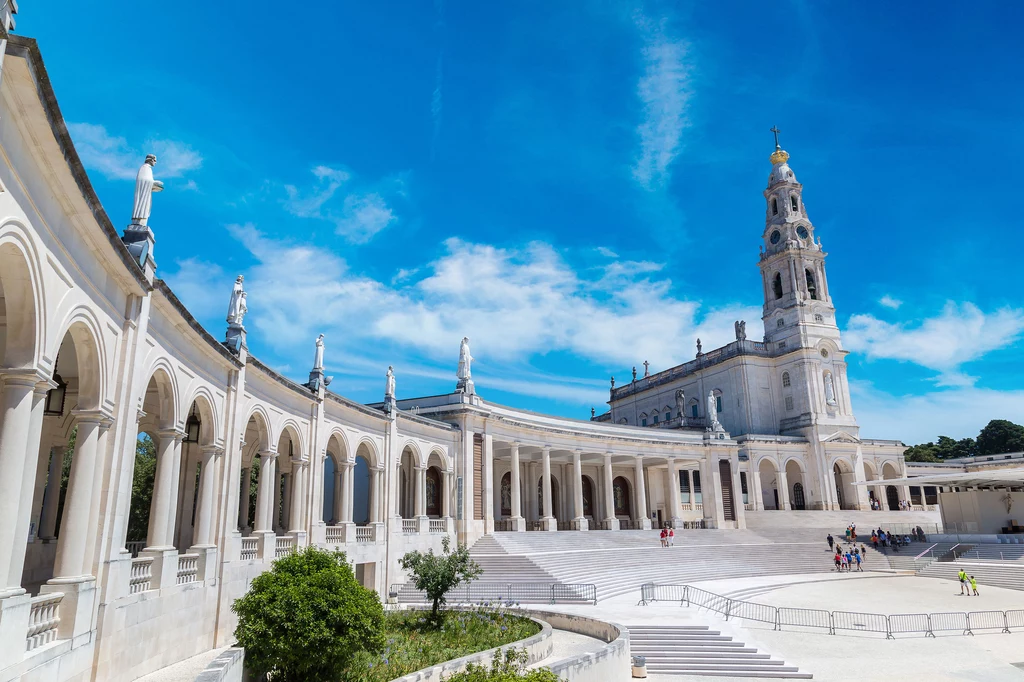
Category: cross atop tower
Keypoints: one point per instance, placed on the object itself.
(775, 129)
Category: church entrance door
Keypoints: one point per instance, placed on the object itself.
(725, 471)
(892, 497)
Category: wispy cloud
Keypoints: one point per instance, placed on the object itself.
(358, 215)
(116, 159)
(890, 302)
(959, 334)
(665, 90)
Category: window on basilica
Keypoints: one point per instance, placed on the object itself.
(789, 403)
(785, 379)
(782, 344)
(775, 206)
(777, 285)
(718, 403)
(792, 201)
(818, 317)
(668, 416)
(812, 288)
(694, 409)
(780, 323)
(655, 419)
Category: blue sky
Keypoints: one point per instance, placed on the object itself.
(574, 186)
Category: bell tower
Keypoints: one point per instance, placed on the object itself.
(798, 309)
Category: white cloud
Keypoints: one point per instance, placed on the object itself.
(197, 282)
(959, 334)
(665, 89)
(890, 302)
(957, 413)
(113, 157)
(361, 215)
(513, 304)
(606, 252)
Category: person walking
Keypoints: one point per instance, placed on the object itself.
(857, 557)
(874, 541)
(838, 560)
(849, 561)
(671, 537)
(962, 576)
(664, 537)
(831, 540)
(974, 586)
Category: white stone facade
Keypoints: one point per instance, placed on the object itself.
(84, 315)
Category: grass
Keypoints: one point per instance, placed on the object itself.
(413, 644)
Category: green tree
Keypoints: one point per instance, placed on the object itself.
(926, 452)
(507, 667)
(142, 488)
(1000, 436)
(438, 574)
(306, 618)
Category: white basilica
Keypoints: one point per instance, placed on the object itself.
(100, 581)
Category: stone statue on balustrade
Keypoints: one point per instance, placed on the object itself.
(465, 372)
(389, 383)
(741, 330)
(237, 308)
(145, 187)
(318, 358)
(713, 423)
(680, 406)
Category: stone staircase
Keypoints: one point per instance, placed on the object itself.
(620, 562)
(1008, 574)
(697, 650)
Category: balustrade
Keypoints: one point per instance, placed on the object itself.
(43, 619)
(135, 547)
(188, 568)
(409, 526)
(336, 534)
(141, 577)
(283, 545)
(250, 549)
(438, 526)
(364, 533)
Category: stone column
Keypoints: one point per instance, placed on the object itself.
(518, 522)
(286, 497)
(532, 495)
(243, 500)
(548, 521)
(165, 491)
(18, 405)
(488, 476)
(348, 512)
(338, 508)
(611, 522)
(446, 494)
(756, 494)
(577, 481)
(642, 518)
(711, 491)
(297, 496)
(72, 546)
(203, 535)
(737, 496)
(420, 497)
(51, 497)
(675, 505)
(373, 498)
(275, 520)
(265, 493)
(783, 488)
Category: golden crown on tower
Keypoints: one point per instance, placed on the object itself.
(779, 156)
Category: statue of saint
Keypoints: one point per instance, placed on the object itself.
(389, 386)
(698, 347)
(613, 383)
(318, 359)
(237, 305)
(145, 186)
(712, 408)
(634, 374)
(680, 402)
(464, 372)
(830, 389)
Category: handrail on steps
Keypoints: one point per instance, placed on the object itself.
(926, 551)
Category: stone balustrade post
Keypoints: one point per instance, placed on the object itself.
(611, 522)
(518, 522)
(642, 517)
(580, 521)
(675, 505)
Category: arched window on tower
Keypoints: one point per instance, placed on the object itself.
(812, 288)
(777, 285)
(785, 379)
(775, 206)
(792, 200)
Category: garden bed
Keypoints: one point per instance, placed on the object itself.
(413, 644)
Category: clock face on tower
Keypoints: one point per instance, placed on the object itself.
(776, 236)
(802, 231)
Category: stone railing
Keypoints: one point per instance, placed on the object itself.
(335, 534)
(438, 526)
(43, 619)
(409, 526)
(141, 577)
(188, 568)
(250, 549)
(283, 545)
(135, 547)
(693, 506)
(364, 533)
(503, 525)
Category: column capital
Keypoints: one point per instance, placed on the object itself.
(27, 377)
(176, 434)
(211, 450)
(347, 464)
(420, 467)
(546, 449)
(639, 458)
(100, 417)
(267, 454)
(140, 415)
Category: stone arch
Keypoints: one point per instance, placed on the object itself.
(589, 486)
(893, 494)
(843, 479)
(259, 417)
(205, 404)
(256, 439)
(622, 496)
(417, 453)
(161, 398)
(291, 430)
(369, 451)
(407, 463)
(363, 495)
(768, 471)
(442, 457)
(22, 302)
(85, 334)
(797, 480)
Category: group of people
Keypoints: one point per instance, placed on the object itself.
(967, 583)
(668, 537)
(884, 538)
(852, 555)
(905, 505)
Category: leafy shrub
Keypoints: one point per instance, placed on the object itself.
(438, 574)
(510, 667)
(306, 618)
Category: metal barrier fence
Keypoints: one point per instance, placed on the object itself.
(529, 593)
(834, 621)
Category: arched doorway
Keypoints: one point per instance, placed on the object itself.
(363, 502)
(769, 492)
(254, 460)
(433, 492)
(798, 496)
(892, 497)
(795, 477)
(621, 498)
(407, 498)
(588, 497)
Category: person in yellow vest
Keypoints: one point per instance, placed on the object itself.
(974, 586)
(962, 575)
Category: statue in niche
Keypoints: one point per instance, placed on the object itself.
(389, 385)
(506, 495)
(318, 359)
(237, 305)
(712, 409)
(830, 389)
(145, 187)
